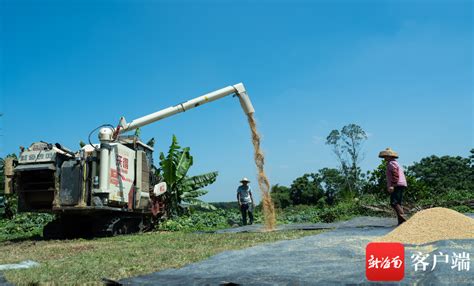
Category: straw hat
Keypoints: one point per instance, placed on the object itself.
(244, 179)
(388, 153)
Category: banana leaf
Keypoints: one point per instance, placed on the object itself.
(200, 181)
(193, 194)
(199, 203)
(176, 164)
(184, 162)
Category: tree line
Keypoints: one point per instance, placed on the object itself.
(431, 180)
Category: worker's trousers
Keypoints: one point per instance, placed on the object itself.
(244, 209)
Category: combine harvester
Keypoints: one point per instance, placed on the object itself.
(103, 189)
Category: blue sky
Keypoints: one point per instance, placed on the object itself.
(402, 70)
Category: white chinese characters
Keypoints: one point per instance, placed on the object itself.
(460, 261)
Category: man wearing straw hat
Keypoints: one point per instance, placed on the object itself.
(396, 182)
(245, 200)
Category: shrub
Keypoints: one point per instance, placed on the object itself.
(202, 221)
(23, 225)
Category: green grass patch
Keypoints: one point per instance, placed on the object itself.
(87, 261)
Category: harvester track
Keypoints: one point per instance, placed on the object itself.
(65, 227)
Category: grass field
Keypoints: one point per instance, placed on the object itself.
(88, 261)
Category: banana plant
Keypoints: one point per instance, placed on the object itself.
(181, 188)
(191, 189)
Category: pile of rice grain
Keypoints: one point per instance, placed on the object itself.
(432, 225)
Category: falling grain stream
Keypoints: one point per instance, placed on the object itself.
(263, 183)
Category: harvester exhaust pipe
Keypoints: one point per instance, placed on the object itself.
(237, 89)
(105, 137)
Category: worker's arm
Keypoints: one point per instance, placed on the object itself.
(394, 173)
(393, 176)
(251, 198)
(238, 197)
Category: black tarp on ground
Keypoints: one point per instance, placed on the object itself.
(3, 281)
(365, 221)
(334, 257)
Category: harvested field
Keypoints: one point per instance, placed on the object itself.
(432, 225)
